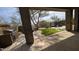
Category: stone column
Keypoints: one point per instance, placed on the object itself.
(69, 17)
(76, 20)
(26, 23)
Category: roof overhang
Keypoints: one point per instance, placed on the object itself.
(62, 9)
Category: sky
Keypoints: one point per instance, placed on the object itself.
(7, 12)
(60, 15)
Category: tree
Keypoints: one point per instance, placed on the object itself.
(2, 21)
(14, 22)
(35, 17)
(56, 20)
(15, 19)
(62, 23)
(35, 14)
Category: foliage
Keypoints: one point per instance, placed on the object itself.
(49, 31)
(62, 23)
(56, 20)
(44, 24)
(2, 21)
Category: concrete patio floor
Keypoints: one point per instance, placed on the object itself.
(61, 41)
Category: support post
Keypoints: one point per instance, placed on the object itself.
(76, 20)
(26, 23)
(69, 17)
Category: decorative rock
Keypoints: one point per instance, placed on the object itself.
(5, 40)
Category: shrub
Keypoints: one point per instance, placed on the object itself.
(49, 31)
(44, 24)
(62, 23)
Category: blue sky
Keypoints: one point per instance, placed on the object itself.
(7, 12)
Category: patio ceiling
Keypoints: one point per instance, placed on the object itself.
(62, 9)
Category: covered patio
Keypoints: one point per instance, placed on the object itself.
(70, 41)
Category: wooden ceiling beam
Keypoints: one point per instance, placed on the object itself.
(61, 9)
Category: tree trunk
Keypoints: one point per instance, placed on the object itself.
(25, 17)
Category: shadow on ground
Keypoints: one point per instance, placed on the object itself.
(69, 44)
(24, 47)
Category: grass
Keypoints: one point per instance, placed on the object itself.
(49, 31)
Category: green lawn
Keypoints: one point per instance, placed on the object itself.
(49, 31)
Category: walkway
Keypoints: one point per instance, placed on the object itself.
(60, 41)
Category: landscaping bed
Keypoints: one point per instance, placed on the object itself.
(49, 31)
